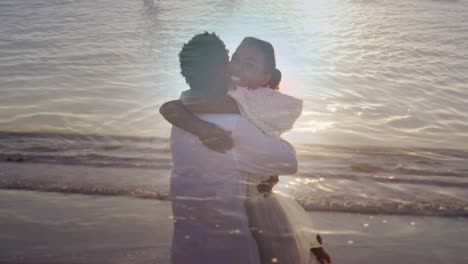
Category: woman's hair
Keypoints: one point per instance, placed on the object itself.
(270, 61)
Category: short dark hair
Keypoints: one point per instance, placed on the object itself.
(201, 59)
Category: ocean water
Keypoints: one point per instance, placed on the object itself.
(378, 73)
(415, 181)
(384, 83)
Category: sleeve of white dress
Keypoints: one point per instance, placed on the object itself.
(270, 110)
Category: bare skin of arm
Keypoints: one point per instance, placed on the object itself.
(211, 135)
(218, 105)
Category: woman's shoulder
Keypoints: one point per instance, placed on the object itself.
(272, 111)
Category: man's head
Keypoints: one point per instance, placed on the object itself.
(203, 62)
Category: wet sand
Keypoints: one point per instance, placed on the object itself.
(44, 227)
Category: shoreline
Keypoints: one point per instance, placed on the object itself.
(313, 194)
(44, 227)
(145, 138)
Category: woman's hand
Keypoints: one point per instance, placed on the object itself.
(216, 138)
(266, 186)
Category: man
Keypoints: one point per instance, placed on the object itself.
(208, 187)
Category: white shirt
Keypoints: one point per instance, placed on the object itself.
(208, 190)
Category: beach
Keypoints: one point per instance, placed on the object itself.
(79, 199)
(48, 227)
(43, 227)
(382, 142)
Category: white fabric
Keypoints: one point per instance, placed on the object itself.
(281, 227)
(287, 236)
(275, 113)
(270, 110)
(208, 191)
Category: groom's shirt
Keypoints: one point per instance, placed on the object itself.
(208, 190)
(254, 152)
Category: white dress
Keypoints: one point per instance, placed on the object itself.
(280, 224)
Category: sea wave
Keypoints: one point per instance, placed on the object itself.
(330, 178)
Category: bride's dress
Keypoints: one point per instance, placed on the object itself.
(279, 223)
(281, 227)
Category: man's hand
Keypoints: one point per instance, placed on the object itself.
(216, 138)
(320, 254)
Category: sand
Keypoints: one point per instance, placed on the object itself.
(46, 227)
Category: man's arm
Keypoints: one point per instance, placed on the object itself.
(209, 134)
(261, 154)
(216, 105)
(256, 152)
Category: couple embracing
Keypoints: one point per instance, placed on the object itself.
(227, 155)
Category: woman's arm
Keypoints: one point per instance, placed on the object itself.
(215, 105)
(211, 135)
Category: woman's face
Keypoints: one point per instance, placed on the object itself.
(247, 67)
